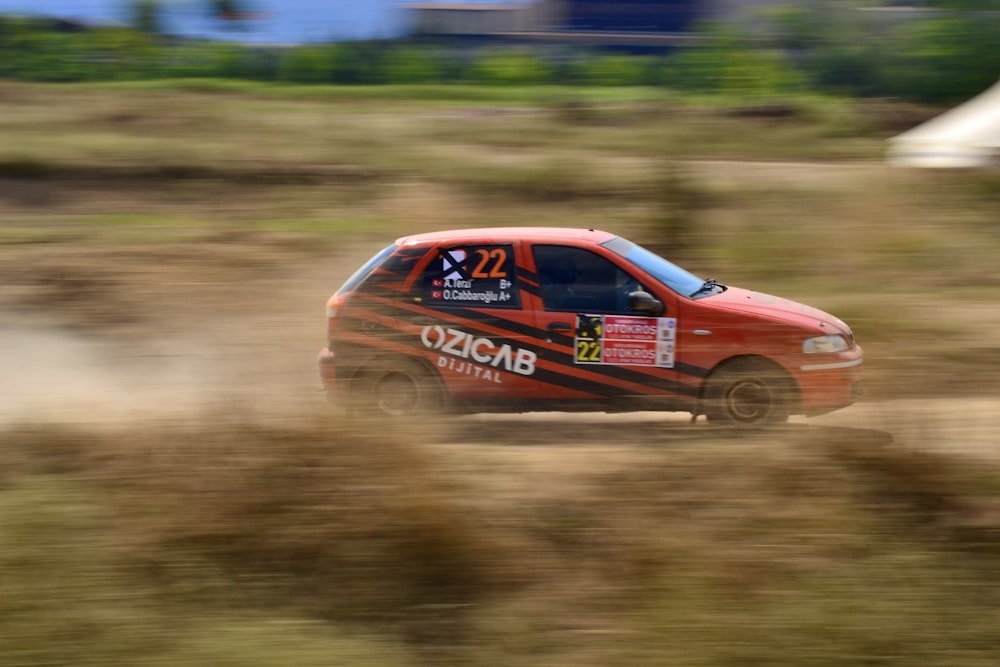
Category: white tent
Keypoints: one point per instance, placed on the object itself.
(966, 136)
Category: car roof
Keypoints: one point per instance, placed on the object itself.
(500, 234)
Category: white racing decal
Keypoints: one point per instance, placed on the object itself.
(468, 368)
(831, 366)
(488, 296)
(456, 289)
(464, 345)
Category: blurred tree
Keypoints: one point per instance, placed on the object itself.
(510, 67)
(307, 64)
(414, 65)
(725, 62)
(255, 63)
(945, 52)
(115, 54)
(359, 62)
(230, 10)
(616, 70)
(837, 46)
(946, 59)
(223, 8)
(146, 16)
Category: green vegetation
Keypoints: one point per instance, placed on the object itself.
(942, 54)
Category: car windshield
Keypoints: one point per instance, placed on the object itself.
(671, 275)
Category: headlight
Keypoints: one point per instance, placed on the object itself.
(824, 344)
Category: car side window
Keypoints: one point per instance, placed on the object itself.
(581, 281)
(472, 276)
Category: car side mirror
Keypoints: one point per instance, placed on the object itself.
(644, 302)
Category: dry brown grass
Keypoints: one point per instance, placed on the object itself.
(804, 543)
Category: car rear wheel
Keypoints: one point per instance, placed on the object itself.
(399, 388)
(748, 392)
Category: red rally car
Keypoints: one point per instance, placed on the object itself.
(526, 319)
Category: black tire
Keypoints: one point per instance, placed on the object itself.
(749, 393)
(398, 388)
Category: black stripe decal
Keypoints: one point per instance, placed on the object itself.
(529, 275)
(540, 374)
(528, 281)
(529, 288)
(532, 333)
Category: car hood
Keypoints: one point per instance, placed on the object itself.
(749, 302)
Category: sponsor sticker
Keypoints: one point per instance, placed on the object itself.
(462, 352)
(621, 340)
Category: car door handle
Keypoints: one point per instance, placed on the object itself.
(561, 327)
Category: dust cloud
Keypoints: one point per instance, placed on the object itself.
(48, 374)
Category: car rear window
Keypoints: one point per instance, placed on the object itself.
(359, 276)
(474, 275)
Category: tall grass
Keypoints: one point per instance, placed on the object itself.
(236, 542)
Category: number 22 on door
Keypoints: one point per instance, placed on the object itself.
(588, 351)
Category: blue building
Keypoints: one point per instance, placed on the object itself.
(264, 21)
(635, 24)
(300, 21)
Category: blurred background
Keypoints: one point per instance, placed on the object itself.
(184, 183)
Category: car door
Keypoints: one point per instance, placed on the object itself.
(596, 347)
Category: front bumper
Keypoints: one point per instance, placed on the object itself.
(830, 384)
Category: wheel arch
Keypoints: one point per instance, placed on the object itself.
(748, 362)
(361, 374)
